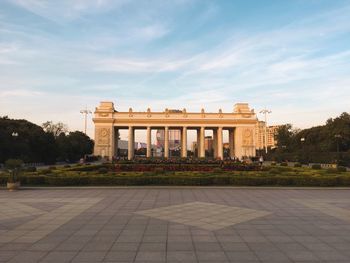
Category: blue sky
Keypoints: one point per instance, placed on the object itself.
(292, 56)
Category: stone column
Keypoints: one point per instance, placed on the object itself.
(220, 145)
(198, 143)
(116, 133)
(201, 140)
(131, 143)
(184, 142)
(231, 143)
(111, 146)
(215, 142)
(166, 142)
(149, 143)
(238, 141)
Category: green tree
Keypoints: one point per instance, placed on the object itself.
(285, 136)
(73, 146)
(31, 143)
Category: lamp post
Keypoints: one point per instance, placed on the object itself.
(14, 148)
(302, 140)
(265, 112)
(85, 112)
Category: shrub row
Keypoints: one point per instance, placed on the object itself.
(165, 167)
(247, 180)
(185, 167)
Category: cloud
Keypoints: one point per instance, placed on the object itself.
(150, 32)
(138, 66)
(146, 57)
(19, 93)
(67, 10)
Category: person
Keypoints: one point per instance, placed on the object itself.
(261, 160)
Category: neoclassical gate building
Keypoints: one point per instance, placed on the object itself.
(240, 123)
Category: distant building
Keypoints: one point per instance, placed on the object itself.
(174, 139)
(208, 143)
(260, 135)
(123, 147)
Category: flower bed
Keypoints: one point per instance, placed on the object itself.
(199, 174)
(218, 180)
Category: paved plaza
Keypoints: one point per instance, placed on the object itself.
(175, 225)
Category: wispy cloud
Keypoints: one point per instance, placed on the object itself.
(19, 93)
(190, 54)
(60, 11)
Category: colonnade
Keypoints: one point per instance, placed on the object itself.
(240, 123)
(217, 140)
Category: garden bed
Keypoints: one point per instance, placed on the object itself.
(218, 174)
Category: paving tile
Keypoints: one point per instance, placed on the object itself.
(207, 246)
(125, 246)
(234, 246)
(180, 246)
(212, 256)
(59, 256)
(208, 216)
(5, 256)
(52, 227)
(302, 255)
(152, 247)
(181, 256)
(242, 256)
(120, 256)
(154, 256)
(93, 256)
(28, 256)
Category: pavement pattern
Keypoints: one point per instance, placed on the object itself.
(175, 225)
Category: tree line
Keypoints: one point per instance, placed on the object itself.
(49, 143)
(327, 143)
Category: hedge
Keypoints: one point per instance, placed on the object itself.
(316, 166)
(219, 180)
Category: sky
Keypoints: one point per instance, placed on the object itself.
(58, 57)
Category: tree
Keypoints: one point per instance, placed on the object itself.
(31, 144)
(73, 146)
(319, 144)
(55, 128)
(284, 136)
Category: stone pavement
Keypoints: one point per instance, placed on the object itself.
(175, 225)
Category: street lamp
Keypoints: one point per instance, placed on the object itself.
(302, 140)
(85, 112)
(265, 112)
(14, 134)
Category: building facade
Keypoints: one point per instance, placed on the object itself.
(174, 139)
(208, 143)
(271, 132)
(240, 123)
